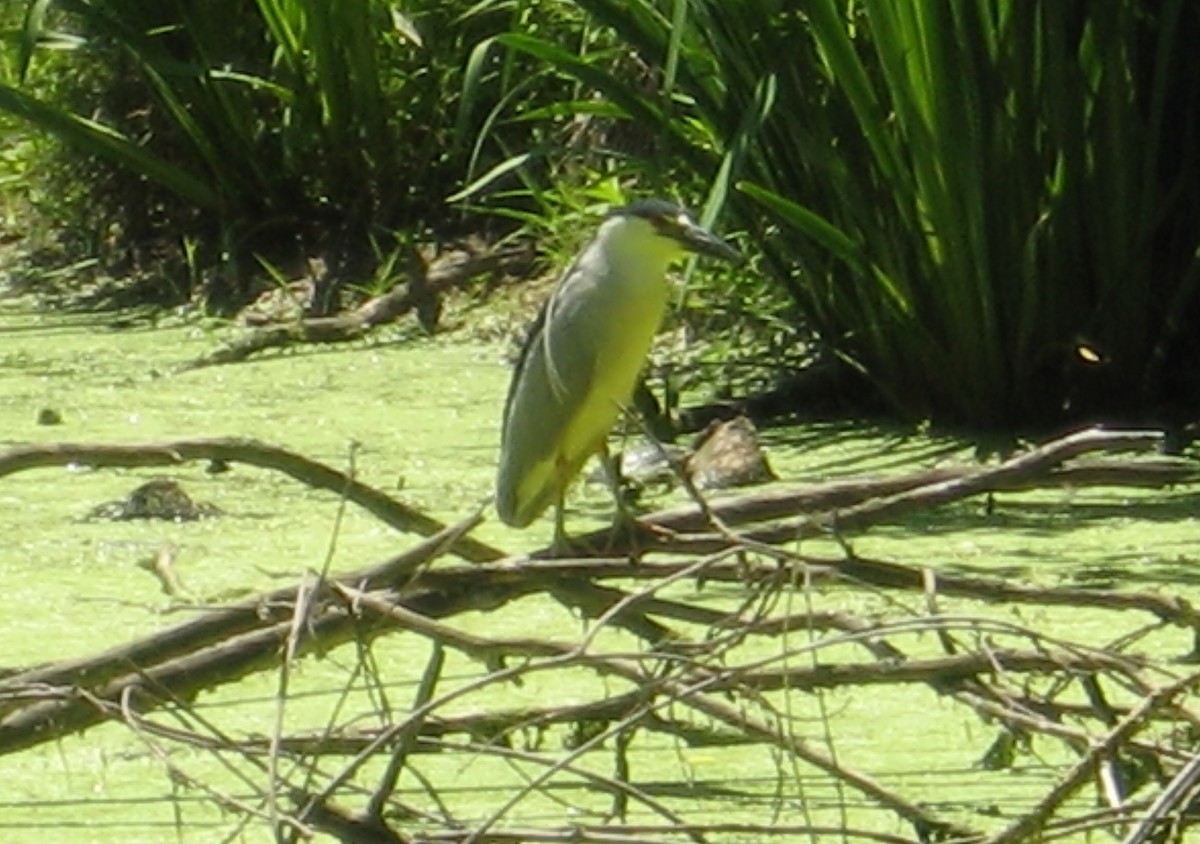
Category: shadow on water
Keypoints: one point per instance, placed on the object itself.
(1105, 544)
(1055, 518)
(835, 449)
(1098, 571)
(68, 323)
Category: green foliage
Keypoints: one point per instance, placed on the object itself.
(1005, 200)
(961, 196)
(276, 128)
(987, 210)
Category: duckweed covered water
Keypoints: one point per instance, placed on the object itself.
(420, 420)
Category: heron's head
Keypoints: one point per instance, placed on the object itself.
(654, 227)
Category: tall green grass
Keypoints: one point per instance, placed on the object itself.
(274, 125)
(989, 210)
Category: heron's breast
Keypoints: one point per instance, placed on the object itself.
(619, 342)
(622, 344)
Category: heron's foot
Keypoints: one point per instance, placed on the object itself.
(630, 535)
(563, 546)
(627, 536)
(566, 547)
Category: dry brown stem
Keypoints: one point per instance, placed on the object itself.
(424, 283)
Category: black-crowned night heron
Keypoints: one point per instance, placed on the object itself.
(581, 361)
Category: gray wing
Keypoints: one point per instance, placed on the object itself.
(553, 373)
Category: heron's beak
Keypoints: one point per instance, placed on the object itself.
(703, 242)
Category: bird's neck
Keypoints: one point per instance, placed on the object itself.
(636, 255)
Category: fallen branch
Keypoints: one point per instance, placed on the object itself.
(251, 452)
(777, 502)
(216, 648)
(1030, 469)
(1030, 823)
(424, 284)
(746, 665)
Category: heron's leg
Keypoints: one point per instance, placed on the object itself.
(612, 474)
(627, 530)
(561, 545)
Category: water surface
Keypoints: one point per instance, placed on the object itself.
(419, 418)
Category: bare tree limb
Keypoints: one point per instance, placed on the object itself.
(240, 450)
